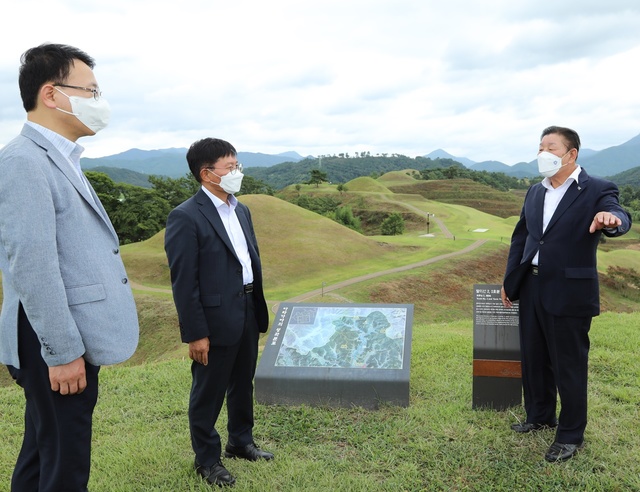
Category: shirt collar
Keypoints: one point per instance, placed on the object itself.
(546, 182)
(218, 203)
(71, 150)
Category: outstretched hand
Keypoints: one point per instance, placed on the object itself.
(602, 220)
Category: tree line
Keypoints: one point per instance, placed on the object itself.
(137, 213)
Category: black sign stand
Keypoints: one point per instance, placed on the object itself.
(497, 377)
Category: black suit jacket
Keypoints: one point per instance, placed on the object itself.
(206, 275)
(568, 274)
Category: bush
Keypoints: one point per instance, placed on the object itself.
(393, 225)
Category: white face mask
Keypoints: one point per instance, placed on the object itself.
(94, 114)
(549, 164)
(231, 182)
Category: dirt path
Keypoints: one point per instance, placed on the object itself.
(329, 288)
(369, 276)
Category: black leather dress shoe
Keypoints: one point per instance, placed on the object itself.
(523, 427)
(249, 452)
(562, 452)
(215, 474)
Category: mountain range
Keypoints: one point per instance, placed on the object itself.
(172, 162)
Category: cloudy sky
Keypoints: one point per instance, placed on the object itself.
(477, 79)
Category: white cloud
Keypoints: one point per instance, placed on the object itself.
(478, 79)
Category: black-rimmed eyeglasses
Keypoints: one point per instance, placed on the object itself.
(231, 169)
(96, 92)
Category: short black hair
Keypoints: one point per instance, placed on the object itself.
(47, 63)
(570, 136)
(207, 152)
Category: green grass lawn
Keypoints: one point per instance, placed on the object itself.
(141, 440)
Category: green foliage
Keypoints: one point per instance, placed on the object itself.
(317, 177)
(120, 175)
(107, 190)
(344, 216)
(140, 214)
(253, 186)
(323, 205)
(136, 213)
(175, 190)
(499, 181)
(342, 169)
(392, 225)
(630, 199)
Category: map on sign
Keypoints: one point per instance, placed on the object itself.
(344, 337)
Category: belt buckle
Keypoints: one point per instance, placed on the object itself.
(534, 270)
(248, 288)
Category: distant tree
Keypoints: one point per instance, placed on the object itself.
(106, 189)
(451, 172)
(298, 188)
(344, 216)
(175, 190)
(342, 188)
(253, 186)
(140, 214)
(317, 177)
(323, 205)
(393, 225)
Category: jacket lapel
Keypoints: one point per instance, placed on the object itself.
(538, 207)
(208, 209)
(67, 170)
(574, 191)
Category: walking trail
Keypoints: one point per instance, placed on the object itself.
(345, 283)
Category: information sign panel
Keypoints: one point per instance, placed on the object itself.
(337, 355)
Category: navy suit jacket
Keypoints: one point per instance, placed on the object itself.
(568, 273)
(206, 275)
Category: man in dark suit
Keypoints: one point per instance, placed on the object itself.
(216, 278)
(551, 269)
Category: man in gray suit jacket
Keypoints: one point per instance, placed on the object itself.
(216, 277)
(67, 306)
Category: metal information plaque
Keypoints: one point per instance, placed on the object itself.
(337, 355)
(497, 376)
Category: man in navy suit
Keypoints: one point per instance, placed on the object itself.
(551, 269)
(216, 278)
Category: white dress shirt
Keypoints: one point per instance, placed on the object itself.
(234, 230)
(552, 198)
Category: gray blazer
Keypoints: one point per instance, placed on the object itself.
(60, 259)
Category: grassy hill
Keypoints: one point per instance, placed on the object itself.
(465, 192)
